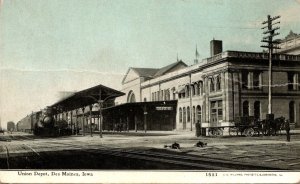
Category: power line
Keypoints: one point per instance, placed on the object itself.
(271, 44)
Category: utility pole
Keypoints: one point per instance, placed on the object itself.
(271, 44)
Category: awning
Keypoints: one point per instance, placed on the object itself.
(86, 97)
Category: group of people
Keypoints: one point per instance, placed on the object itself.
(119, 127)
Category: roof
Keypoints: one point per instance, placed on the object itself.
(141, 72)
(131, 106)
(86, 97)
(165, 69)
(153, 72)
(146, 72)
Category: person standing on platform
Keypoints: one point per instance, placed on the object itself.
(198, 129)
(287, 129)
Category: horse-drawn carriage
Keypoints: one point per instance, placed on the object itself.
(249, 126)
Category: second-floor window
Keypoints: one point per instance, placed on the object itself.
(212, 85)
(256, 80)
(218, 83)
(245, 80)
(293, 81)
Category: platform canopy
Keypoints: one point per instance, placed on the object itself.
(86, 97)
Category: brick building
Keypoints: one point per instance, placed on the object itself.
(216, 90)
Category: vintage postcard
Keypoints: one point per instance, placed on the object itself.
(149, 91)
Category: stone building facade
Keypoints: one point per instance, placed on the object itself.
(290, 44)
(218, 89)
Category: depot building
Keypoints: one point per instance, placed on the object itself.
(218, 89)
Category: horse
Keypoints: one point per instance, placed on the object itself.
(263, 127)
(277, 125)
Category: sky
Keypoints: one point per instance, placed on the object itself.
(48, 46)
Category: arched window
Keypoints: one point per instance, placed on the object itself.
(194, 115)
(145, 99)
(212, 85)
(187, 89)
(131, 97)
(292, 111)
(201, 88)
(257, 109)
(193, 90)
(173, 92)
(245, 108)
(196, 88)
(188, 114)
(180, 115)
(199, 114)
(168, 94)
(218, 83)
(184, 115)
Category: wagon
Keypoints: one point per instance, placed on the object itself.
(246, 125)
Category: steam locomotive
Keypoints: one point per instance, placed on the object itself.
(48, 126)
(43, 123)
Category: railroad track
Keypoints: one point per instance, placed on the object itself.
(28, 159)
(176, 159)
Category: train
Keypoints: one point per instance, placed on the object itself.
(43, 123)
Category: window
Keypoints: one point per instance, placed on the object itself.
(173, 92)
(145, 99)
(194, 115)
(187, 89)
(257, 110)
(256, 80)
(212, 85)
(131, 97)
(188, 114)
(220, 110)
(292, 111)
(201, 88)
(293, 81)
(199, 114)
(216, 113)
(184, 115)
(180, 115)
(245, 108)
(218, 83)
(196, 88)
(245, 80)
(290, 81)
(193, 90)
(153, 97)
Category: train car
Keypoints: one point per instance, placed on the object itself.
(25, 125)
(10, 126)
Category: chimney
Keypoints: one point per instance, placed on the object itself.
(215, 47)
